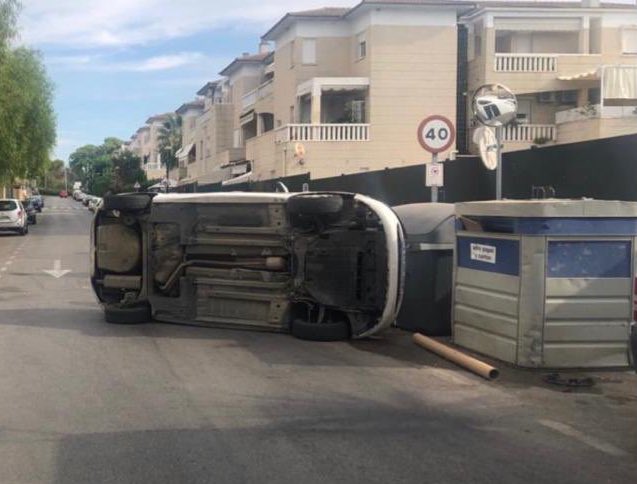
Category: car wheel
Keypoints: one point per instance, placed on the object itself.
(316, 204)
(132, 315)
(127, 203)
(330, 331)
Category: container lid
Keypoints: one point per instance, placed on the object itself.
(428, 222)
(587, 208)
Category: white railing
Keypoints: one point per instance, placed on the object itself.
(323, 132)
(525, 63)
(529, 132)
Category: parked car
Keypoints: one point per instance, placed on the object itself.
(94, 203)
(64, 194)
(13, 216)
(30, 205)
(86, 199)
(77, 195)
(323, 266)
(38, 202)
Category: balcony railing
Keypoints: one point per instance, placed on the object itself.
(526, 62)
(593, 111)
(250, 98)
(323, 132)
(528, 133)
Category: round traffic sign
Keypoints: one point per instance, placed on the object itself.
(436, 134)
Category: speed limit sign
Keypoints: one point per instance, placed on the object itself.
(436, 134)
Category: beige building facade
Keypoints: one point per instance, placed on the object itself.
(350, 87)
(563, 61)
(343, 90)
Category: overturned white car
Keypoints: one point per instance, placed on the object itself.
(323, 266)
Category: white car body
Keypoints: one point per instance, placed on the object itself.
(362, 244)
(13, 216)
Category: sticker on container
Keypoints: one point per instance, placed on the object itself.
(483, 253)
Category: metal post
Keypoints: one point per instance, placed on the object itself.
(498, 172)
(434, 189)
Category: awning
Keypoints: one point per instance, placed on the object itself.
(582, 76)
(319, 84)
(184, 151)
(245, 178)
(619, 85)
(246, 118)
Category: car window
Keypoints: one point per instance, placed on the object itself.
(7, 205)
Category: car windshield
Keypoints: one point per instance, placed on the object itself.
(7, 205)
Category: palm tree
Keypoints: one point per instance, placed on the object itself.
(169, 140)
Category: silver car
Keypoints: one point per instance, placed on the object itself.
(323, 266)
(13, 216)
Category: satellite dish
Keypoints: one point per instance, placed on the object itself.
(494, 105)
(299, 151)
(487, 143)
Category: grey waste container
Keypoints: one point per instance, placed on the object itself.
(546, 283)
(430, 233)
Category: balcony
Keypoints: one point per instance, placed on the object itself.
(525, 62)
(323, 132)
(251, 98)
(529, 133)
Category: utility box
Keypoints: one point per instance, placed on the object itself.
(430, 238)
(546, 283)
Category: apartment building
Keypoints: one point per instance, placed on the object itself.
(573, 67)
(347, 87)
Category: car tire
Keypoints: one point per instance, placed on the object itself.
(331, 331)
(132, 315)
(316, 204)
(24, 230)
(127, 203)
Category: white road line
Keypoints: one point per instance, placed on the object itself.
(4, 269)
(585, 439)
(8, 263)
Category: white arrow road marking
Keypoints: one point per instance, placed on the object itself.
(57, 271)
(586, 439)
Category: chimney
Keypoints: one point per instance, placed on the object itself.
(264, 47)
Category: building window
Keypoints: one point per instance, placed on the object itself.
(309, 51)
(201, 150)
(361, 46)
(629, 40)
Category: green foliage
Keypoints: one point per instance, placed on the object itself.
(169, 140)
(106, 168)
(27, 119)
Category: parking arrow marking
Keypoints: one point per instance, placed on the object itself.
(57, 271)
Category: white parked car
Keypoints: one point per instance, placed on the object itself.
(94, 203)
(323, 266)
(13, 216)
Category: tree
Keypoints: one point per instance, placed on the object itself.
(169, 140)
(106, 167)
(27, 119)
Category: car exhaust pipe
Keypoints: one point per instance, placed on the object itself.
(472, 364)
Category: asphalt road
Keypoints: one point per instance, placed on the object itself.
(82, 401)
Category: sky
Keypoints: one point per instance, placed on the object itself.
(116, 62)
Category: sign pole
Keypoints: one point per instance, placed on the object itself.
(498, 172)
(434, 189)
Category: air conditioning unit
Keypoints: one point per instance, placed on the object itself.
(547, 97)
